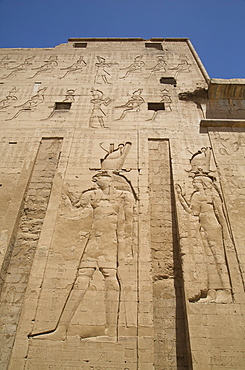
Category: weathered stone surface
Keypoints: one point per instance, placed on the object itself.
(122, 208)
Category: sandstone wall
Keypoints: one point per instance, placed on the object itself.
(122, 208)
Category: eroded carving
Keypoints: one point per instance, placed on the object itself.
(110, 207)
(208, 216)
(166, 99)
(136, 66)
(30, 104)
(159, 67)
(9, 100)
(75, 67)
(69, 98)
(183, 66)
(48, 66)
(133, 104)
(97, 114)
(21, 67)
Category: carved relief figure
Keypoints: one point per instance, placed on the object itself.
(133, 104)
(5, 61)
(136, 66)
(21, 67)
(115, 157)
(75, 67)
(159, 67)
(9, 100)
(183, 66)
(102, 73)
(69, 98)
(206, 205)
(166, 99)
(231, 144)
(97, 114)
(48, 66)
(33, 102)
(111, 208)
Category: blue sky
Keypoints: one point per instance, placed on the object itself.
(215, 27)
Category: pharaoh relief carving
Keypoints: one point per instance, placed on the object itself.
(102, 73)
(97, 114)
(48, 66)
(30, 104)
(75, 67)
(210, 224)
(136, 66)
(132, 105)
(109, 207)
(22, 67)
(10, 99)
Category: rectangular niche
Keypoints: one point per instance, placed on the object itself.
(156, 106)
(62, 106)
(80, 44)
(168, 81)
(155, 45)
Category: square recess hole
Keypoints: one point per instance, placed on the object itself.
(155, 45)
(168, 81)
(62, 106)
(156, 106)
(80, 44)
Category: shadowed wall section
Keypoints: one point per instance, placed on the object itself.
(170, 335)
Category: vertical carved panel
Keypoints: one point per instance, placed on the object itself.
(169, 319)
(16, 274)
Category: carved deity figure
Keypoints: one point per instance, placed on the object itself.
(9, 100)
(78, 66)
(133, 104)
(136, 66)
(48, 66)
(31, 103)
(111, 208)
(97, 113)
(114, 158)
(206, 206)
(159, 67)
(21, 67)
(183, 66)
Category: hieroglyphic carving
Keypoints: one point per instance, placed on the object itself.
(75, 67)
(159, 67)
(133, 104)
(48, 66)
(110, 207)
(136, 66)
(102, 73)
(9, 100)
(208, 215)
(97, 114)
(31, 103)
(21, 67)
(183, 66)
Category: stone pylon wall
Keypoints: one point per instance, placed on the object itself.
(122, 241)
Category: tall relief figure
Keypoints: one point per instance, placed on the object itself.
(208, 216)
(108, 209)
